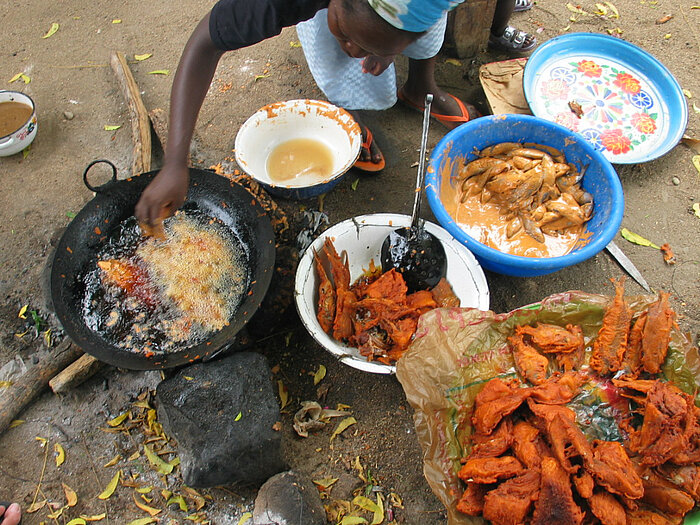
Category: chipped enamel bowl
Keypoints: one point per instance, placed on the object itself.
(281, 122)
(361, 237)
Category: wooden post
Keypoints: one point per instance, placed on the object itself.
(140, 124)
(469, 25)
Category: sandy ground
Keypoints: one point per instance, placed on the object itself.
(69, 73)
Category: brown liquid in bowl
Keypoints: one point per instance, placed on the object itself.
(13, 115)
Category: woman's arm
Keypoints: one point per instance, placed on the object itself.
(197, 65)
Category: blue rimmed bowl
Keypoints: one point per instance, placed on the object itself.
(461, 145)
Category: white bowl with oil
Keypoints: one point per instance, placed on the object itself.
(298, 149)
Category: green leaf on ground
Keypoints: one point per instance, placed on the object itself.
(637, 239)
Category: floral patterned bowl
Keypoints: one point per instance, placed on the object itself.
(619, 97)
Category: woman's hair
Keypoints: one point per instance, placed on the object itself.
(361, 8)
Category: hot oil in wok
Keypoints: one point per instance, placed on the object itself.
(149, 295)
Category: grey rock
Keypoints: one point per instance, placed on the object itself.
(68, 115)
(199, 406)
(288, 499)
(676, 181)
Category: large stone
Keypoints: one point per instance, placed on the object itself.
(288, 499)
(200, 407)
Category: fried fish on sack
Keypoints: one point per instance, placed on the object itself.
(472, 500)
(612, 469)
(495, 401)
(511, 501)
(690, 454)
(531, 365)
(607, 509)
(643, 516)
(528, 445)
(584, 484)
(657, 334)
(632, 362)
(556, 502)
(552, 339)
(664, 495)
(610, 344)
(568, 443)
(494, 444)
(546, 413)
(558, 389)
(571, 361)
(490, 470)
(669, 418)
(687, 477)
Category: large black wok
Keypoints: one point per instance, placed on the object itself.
(114, 202)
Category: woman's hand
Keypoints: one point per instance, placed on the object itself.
(164, 195)
(376, 65)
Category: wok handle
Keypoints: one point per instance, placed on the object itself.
(98, 189)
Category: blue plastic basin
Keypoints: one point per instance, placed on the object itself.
(600, 180)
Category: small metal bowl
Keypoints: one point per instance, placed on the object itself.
(280, 122)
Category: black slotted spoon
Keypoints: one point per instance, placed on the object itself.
(417, 254)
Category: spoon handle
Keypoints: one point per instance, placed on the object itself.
(421, 161)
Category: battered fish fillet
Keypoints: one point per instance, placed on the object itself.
(607, 509)
(494, 444)
(568, 443)
(584, 484)
(648, 517)
(490, 470)
(558, 390)
(528, 446)
(657, 333)
(669, 422)
(663, 495)
(612, 469)
(687, 477)
(531, 365)
(556, 502)
(511, 501)
(472, 500)
(495, 401)
(610, 345)
(632, 363)
(553, 339)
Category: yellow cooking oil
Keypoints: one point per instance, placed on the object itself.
(301, 160)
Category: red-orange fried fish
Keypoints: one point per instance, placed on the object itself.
(472, 500)
(607, 508)
(612, 469)
(490, 470)
(528, 445)
(553, 339)
(556, 502)
(530, 363)
(632, 363)
(510, 502)
(610, 345)
(657, 333)
(326, 297)
(495, 401)
(662, 494)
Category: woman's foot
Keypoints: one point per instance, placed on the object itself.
(446, 108)
(513, 40)
(371, 157)
(10, 515)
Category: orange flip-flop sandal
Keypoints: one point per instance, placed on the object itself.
(443, 119)
(368, 165)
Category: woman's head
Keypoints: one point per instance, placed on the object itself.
(362, 32)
